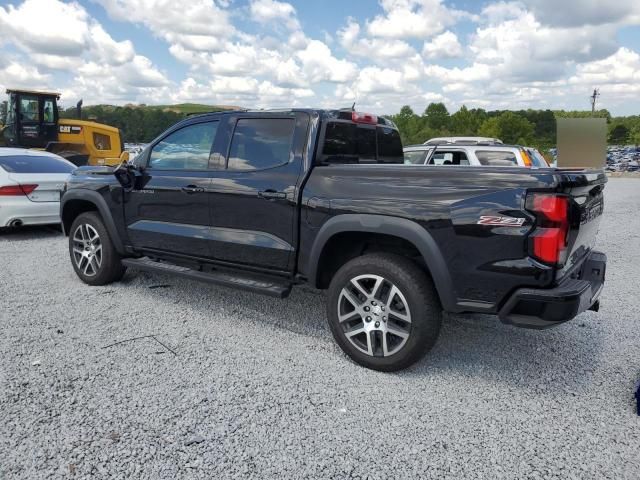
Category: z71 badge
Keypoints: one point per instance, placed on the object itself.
(501, 221)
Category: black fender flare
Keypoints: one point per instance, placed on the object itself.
(398, 227)
(101, 206)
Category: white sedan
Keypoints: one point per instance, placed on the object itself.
(30, 186)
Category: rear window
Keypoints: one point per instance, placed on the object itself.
(497, 158)
(415, 157)
(536, 158)
(347, 142)
(35, 164)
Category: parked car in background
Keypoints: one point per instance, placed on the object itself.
(30, 186)
(479, 154)
(462, 140)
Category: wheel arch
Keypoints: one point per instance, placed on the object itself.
(406, 230)
(76, 202)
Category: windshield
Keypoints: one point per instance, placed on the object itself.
(35, 164)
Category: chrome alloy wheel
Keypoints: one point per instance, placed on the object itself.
(87, 249)
(374, 315)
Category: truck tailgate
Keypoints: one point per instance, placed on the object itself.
(586, 190)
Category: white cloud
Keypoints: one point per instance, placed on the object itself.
(577, 13)
(617, 76)
(107, 50)
(46, 26)
(194, 24)
(522, 49)
(18, 75)
(373, 80)
(517, 58)
(445, 45)
(375, 49)
(60, 36)
(413, 18)
(268, 11)
(239, 91)
(319, 64)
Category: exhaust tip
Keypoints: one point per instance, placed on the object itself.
(15, 223)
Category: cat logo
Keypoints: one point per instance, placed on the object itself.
(69, 129)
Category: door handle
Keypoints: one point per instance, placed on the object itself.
(272, 195)
(189, 189)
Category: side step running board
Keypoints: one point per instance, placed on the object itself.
(264, 286)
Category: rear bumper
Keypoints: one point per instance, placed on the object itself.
(22, 210)
(543, 308)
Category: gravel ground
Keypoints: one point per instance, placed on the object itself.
(236, 385)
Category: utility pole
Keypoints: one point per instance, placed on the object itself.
(594, 96)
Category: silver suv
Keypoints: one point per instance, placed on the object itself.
(476, 154)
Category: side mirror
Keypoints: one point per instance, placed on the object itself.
(131, 177)
(125, 177)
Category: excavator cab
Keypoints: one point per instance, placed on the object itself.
(31, 119)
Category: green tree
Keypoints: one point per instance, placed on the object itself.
(508, 127)
(602, 113)
(634, 136)
(490, 128)
(406, 113)
(437, 116)
(465, 122)
(515, 128)
(619, 135)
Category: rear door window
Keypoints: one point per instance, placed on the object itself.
(500, 158)
(35, 164)
(449, 157)
(261, 143)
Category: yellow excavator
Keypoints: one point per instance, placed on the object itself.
(32, 121)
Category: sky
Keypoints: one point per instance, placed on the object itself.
(381, 54)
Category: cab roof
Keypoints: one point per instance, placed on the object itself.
(34, 92)
(323, 113)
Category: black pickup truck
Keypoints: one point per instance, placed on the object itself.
(265, 200)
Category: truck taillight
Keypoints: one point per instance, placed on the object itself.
(17, 190)
(549, 239)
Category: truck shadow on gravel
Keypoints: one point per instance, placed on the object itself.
(35, 232)
(562, 359)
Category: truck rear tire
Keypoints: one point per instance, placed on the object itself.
(93, 256)
(383, 311)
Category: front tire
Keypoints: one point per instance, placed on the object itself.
(383, 311)
(93, 256)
